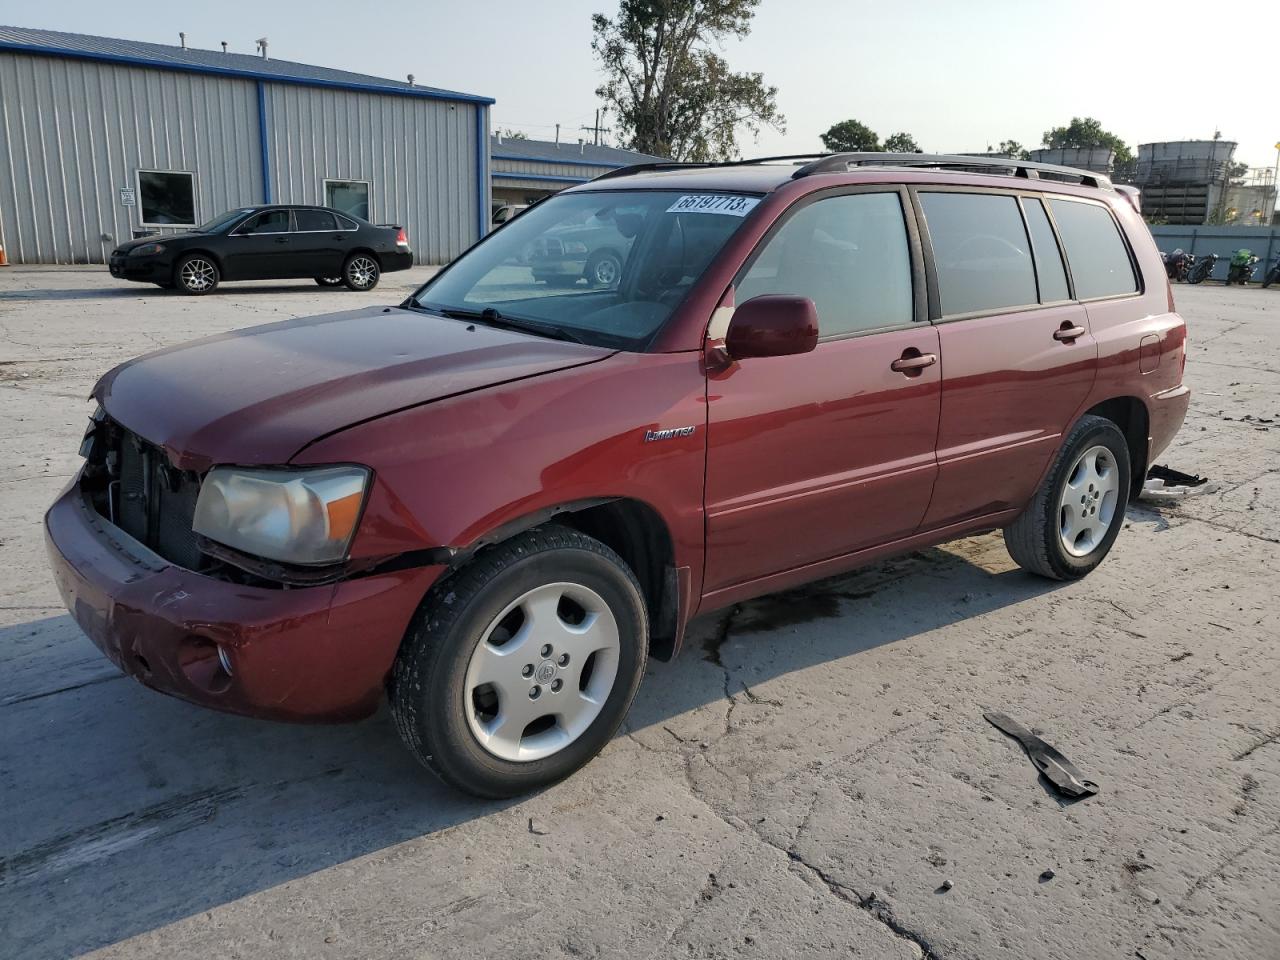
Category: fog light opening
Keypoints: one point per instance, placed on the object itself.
(225, 660)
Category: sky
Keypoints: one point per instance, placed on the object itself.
(957, 75)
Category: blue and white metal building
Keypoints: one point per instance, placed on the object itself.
(101, 139)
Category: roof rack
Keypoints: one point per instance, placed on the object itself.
(842, 162)
(677, 165)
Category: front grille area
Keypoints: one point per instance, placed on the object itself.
(144, 494)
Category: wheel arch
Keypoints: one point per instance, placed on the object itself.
(369, 251)
(1130, 414)
(181, 255)
(632, 528)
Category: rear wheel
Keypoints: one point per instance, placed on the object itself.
(520, 668)
(196, 275)
(1075, 516)
(361, 272)
(603, 270)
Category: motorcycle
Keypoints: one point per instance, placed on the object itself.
(1241, 269)
(1178, 264)
(1273, 275)
(1203, 268)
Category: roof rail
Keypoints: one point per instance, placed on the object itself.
(842, 162)
(677, 165)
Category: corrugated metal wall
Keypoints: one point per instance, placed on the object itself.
(418, 155)
(535, 168)
(74, 132)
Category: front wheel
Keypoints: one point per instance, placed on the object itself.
(361, 272)
(1075, 516)
(329, 281)
(519, 668)
(196, 275)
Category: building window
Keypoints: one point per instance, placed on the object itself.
(348, 196)
(167, 198)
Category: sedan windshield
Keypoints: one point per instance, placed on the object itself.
(222, 220)
(606, 268)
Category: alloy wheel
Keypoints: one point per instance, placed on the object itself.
(541, 672)
(362, 272)
(1088, 503)
(197, 274)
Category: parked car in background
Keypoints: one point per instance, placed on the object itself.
(592, 250)
(507, 211)
(493, 503)
(271, 242)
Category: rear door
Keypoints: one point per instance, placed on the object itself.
(259, 249)
(816, 456)
(317, 244)
(1018, 356)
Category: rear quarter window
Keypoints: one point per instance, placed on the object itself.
(1096, 253)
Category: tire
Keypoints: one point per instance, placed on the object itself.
(196, 275)
(603, 270)
(1038, 539)
(447, 712)
(1200, 272)
(361, 272)
(329, 281)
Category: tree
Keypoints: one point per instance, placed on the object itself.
(1012, 148)
(1086, 132)
(672, 95)
(850, 136)
(508, 134)
(901, 143)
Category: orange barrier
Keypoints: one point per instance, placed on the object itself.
(4, 261)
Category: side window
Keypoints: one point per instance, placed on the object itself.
(1099, 261)
(980, 251)
(273, 221)
(308, 221)
(848, 254)
(344, 223)
(1053, 278)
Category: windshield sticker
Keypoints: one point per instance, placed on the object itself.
(710, 203)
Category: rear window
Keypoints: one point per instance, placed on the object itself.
(1053, 279)
(1100, 265)
(980, 251)
(313, 220)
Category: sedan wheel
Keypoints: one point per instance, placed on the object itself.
(360, 272)
(329, 281)
(196, 275)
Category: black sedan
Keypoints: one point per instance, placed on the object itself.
(267, 243)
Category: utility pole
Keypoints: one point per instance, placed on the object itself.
(596, 129)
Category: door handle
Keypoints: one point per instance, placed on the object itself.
(282, 239)
(1068, 332)
(912, 362)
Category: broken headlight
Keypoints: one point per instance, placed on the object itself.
(303, 516)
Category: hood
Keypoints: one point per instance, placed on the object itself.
(259, 395)
(155, 238)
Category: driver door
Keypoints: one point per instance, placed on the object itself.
(816, 456)
(260, 248)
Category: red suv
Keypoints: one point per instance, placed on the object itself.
(496, 500)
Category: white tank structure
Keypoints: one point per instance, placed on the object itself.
(1094, 159)
(1184, 181)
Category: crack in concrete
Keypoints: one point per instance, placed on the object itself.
(1261, 743)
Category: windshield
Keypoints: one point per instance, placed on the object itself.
(223, 220)
(608, 267)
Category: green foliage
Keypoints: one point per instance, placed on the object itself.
(673, 96)
(1012, 148)
(901, 143)
(850, 136)
(1086, 132)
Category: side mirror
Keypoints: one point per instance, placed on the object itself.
(774, 325)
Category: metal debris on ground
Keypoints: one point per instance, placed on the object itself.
(1060, 771)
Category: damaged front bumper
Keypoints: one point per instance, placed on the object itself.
(319, 653)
